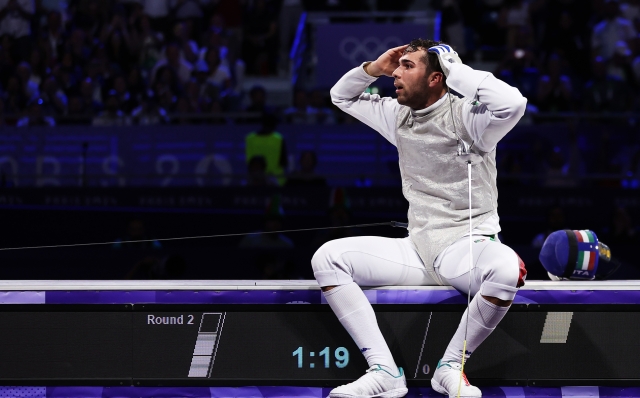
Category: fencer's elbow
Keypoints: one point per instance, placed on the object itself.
(335, 97)
(513, 108)
(520, 107)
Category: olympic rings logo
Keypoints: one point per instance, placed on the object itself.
(357, 51)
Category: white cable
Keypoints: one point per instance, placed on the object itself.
(470, 240)
(462, 150)
(464, 345)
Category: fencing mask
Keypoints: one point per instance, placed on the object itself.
(570, 254)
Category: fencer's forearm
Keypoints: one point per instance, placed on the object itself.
(377, 112)
(501, 106)
(351, 85)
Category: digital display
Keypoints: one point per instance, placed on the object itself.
(261, 345)
(293, 344)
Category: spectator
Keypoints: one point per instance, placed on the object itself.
(55, 100)
(300, 112)
(112, 114)
(606, 93)
(35, 116)
(148, 44)
(15, 21)
(270, 144)
(166, 80)
(135, 83)
(79, 112)
(323, 114)
(219, 75)
(158, 13)
(207, 91)
(554, 88)
(89, 94)
(188, 48)
(149, 112)
(173, 60)
(54, 35)
(38, 68)
(192, 95)
(68, 74)
(77, 46)
(258, 101)
(610, 31)
(119, 44)
(257, 173)
(167, 100)
(14, 96)
(29, 87)
(306, 175)
(127, 102)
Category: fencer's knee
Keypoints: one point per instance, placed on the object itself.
(501, 275)
(329, 268)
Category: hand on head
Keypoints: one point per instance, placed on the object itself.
(386, 63)
(446, 56)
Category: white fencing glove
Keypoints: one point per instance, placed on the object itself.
(446, 56)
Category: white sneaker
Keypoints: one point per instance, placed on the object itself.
(377, 382)
(446, 380)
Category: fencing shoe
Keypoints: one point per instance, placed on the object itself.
(446, 380)
(377, 382)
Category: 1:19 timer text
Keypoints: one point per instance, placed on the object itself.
(341, 356)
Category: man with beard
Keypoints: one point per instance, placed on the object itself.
(430, 127)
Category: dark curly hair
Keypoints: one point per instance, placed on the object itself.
(429, 59)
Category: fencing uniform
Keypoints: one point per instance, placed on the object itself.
(436, 251)
(433, 182)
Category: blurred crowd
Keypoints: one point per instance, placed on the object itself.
(117, 62)
(120, 62)
(563, 55)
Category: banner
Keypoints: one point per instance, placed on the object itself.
(165, 156)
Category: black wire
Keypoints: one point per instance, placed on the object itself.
(387, 223)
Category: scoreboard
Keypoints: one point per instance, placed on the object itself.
(304, 344)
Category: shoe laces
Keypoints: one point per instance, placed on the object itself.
(376, 368)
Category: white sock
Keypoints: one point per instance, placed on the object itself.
(483, 318)
(355, 313)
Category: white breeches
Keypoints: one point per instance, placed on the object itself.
(377, 261)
